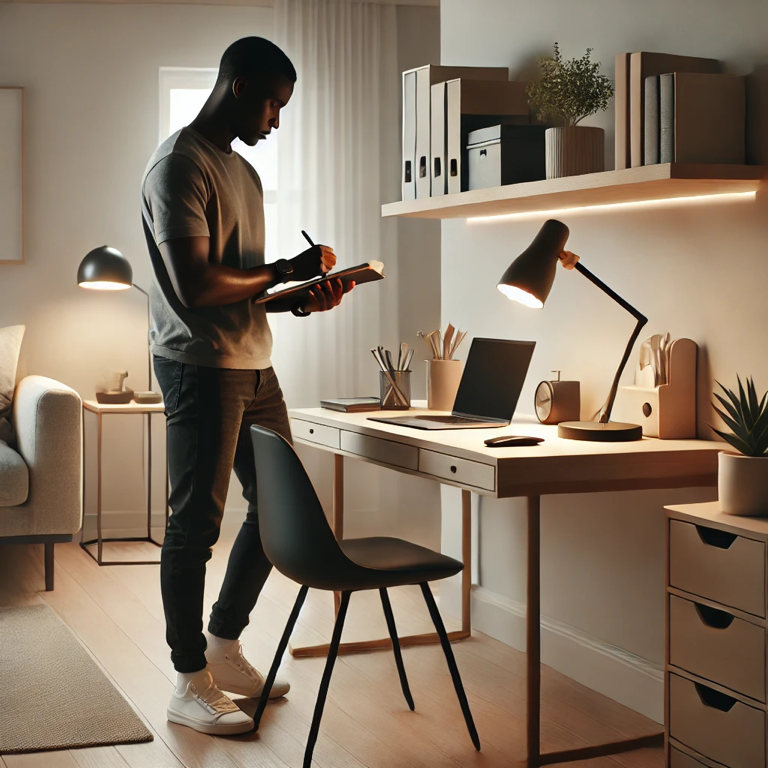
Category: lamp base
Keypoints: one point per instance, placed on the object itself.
(608, 432)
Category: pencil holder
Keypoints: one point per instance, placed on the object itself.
(395, 390)
(443, 377)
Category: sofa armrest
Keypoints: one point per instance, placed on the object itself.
(48, 417)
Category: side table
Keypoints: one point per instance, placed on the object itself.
(100, 410)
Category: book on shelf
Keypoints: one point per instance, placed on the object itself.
(352, 404)
(652, 121)
(702, 118)
(416, 172)
(283, 297)
(647, 64)
(621, 101)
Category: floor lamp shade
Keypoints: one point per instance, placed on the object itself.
(530, 276)
(105, 268)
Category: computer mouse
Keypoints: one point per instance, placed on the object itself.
(504, 441)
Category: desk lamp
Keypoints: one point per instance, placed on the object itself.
(106, 269)
(529, 280)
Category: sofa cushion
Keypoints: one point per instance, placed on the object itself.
(14, 478)
(10, 346)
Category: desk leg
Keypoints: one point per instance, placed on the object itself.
(533, 632)
(338, 512)
(535, 757)
(385, 644)
(466, 555)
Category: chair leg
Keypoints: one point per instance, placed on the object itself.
(448, 651)
(48, 567)
(396, 647)
(282, 645)
(325, 682)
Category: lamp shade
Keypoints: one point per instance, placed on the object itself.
(529, 277)
(105, 268)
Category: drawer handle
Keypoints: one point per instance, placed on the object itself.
(714, 618)
(714, 699)
(453, 469)
(311, 431)
(716, 538)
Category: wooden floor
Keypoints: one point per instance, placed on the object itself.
(116, 613)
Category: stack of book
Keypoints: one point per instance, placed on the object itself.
(679, 109)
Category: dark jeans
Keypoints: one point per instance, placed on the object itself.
(209, 412)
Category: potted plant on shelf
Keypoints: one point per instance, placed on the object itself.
(569, 91)
(742, 481)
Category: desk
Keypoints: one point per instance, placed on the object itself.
(459, 458)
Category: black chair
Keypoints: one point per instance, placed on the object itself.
(300, 544)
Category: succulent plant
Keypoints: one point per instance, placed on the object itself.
(570, 90)
(746, 416)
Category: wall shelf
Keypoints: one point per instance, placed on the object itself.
(632, 185)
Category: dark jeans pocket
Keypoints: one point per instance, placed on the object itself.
(169, 374)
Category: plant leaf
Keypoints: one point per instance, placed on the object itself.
(728, 407)
(732, 397)
(740, 446)
(737, 428)
(747, 416)
(754, 406)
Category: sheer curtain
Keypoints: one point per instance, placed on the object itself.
(337, 163)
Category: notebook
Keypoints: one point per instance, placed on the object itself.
(489, 390)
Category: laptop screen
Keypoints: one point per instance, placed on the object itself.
(493, 378)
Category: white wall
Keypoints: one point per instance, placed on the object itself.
(91, 73)
(695, 270)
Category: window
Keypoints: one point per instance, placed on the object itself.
(183, 91)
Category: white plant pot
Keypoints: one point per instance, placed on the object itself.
(742, 484)
(574, 151)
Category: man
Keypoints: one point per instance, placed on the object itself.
(203, 216)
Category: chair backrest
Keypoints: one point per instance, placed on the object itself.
(294, 531)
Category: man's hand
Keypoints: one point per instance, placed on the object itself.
(327, 296)
(314, 262)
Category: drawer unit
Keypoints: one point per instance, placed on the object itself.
(715, 645)
(315, 433)
(678, 759)
(376, 449)
(461, 470)
(721, 566)
(716, 725)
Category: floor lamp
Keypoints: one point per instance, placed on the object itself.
(106, 269)
(529, 279)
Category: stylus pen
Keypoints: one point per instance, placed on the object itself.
(307, 238)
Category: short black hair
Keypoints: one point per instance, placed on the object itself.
(255, 56)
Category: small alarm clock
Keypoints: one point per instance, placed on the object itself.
(557, 401)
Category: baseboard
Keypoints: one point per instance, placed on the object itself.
(622, 676)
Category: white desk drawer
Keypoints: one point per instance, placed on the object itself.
(384, 451)
(678, 759)
(717, 646)
(716, 726)
(460, 470)
(315, 433)
(723, 567)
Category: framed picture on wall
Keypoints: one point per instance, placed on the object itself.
(11, 175)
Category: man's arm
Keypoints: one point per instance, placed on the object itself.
(199, 283)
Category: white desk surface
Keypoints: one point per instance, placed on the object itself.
(555, 466)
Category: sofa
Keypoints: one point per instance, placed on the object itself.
(41, 475)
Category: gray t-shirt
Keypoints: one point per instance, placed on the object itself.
(192, 188)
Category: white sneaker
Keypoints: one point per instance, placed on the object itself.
(202, 706)
(233, 673)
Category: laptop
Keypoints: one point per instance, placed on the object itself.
(489, 390)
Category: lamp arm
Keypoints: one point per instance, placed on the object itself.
(149, 325)
(605, 414)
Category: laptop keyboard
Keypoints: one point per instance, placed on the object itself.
(451, 419)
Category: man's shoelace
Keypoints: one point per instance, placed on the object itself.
(214, 700)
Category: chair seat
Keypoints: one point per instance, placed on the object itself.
(388, 562)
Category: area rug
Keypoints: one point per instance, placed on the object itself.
(52, 693)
